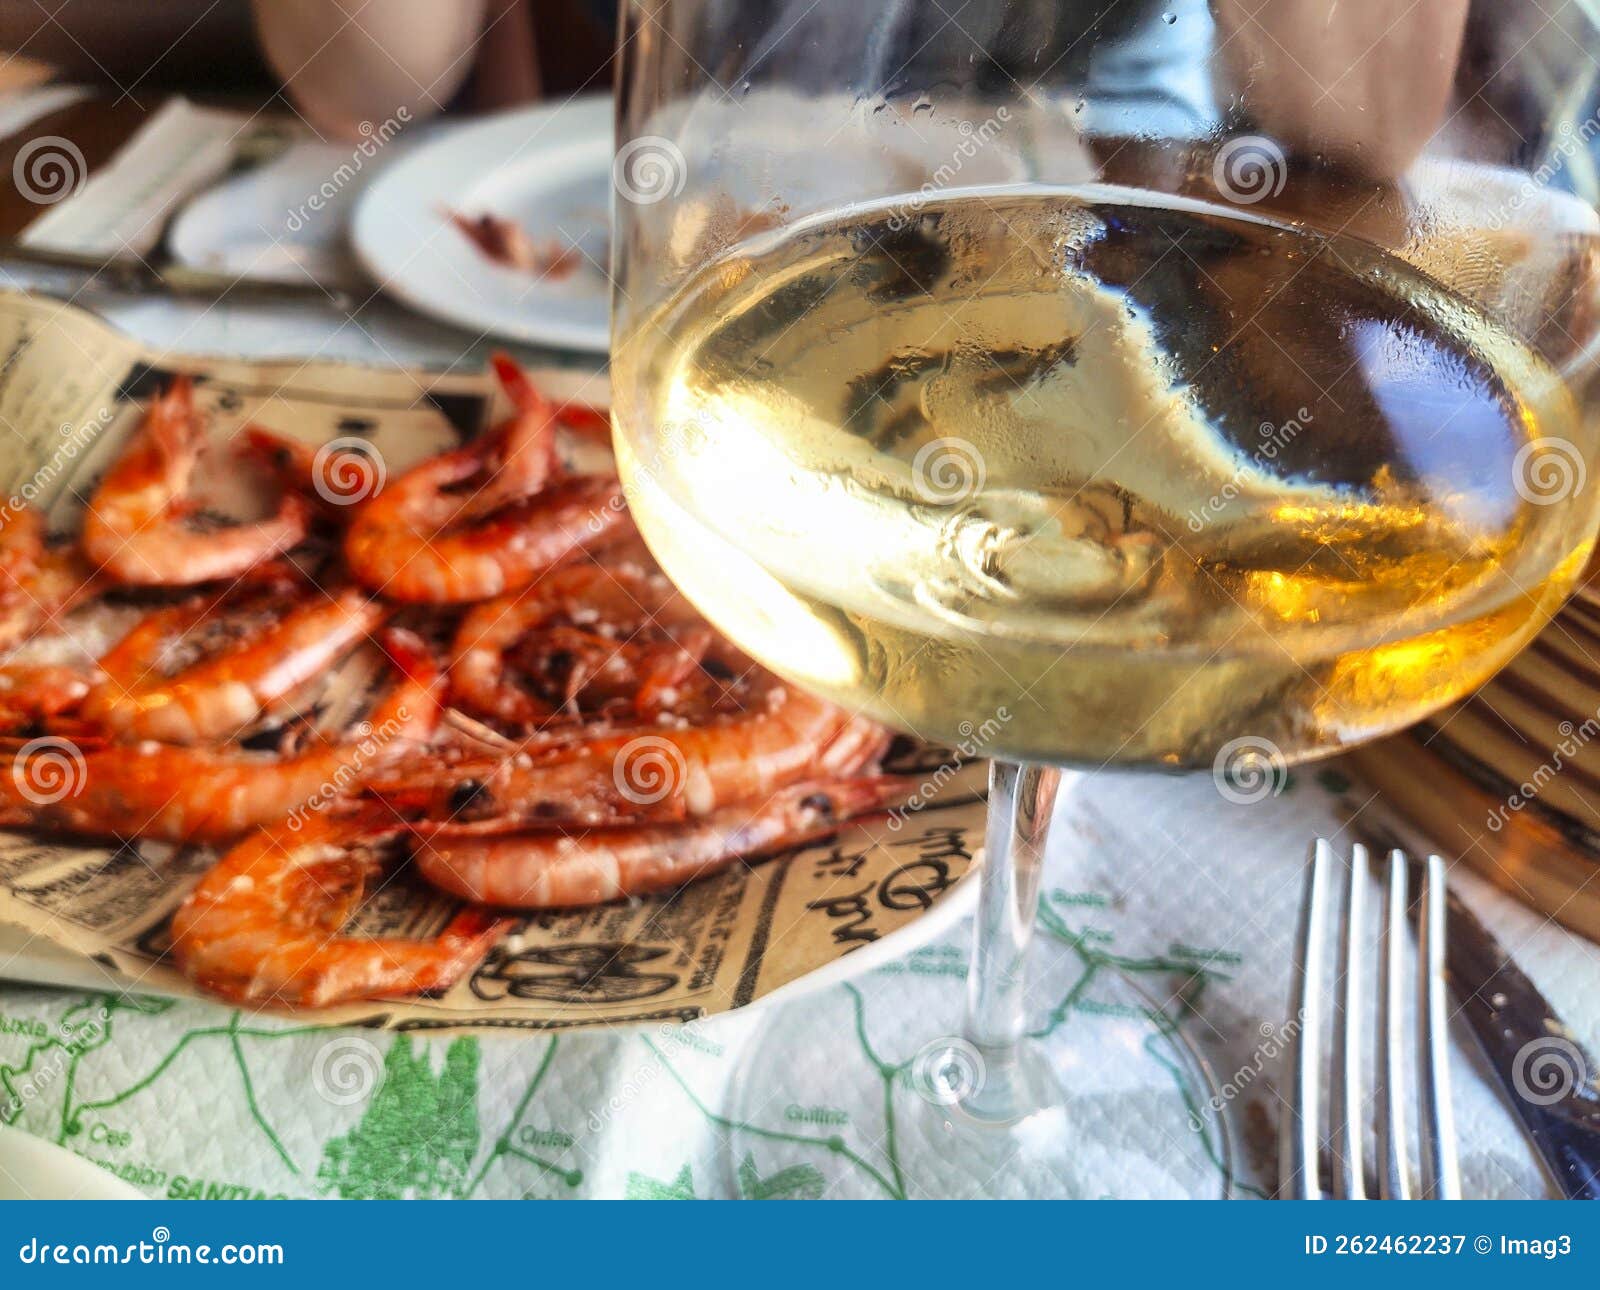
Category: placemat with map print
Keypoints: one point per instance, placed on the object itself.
(186, 1098)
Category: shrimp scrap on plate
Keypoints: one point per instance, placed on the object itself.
(506, 243)
(615, 745)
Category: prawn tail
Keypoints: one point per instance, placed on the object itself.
(529, 444)
(465, 942)
(519, 388)
(473, 932)
(395, 968)
(849, 798)
(173, 427)
(859, 745)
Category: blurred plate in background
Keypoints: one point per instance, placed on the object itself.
(548, 170)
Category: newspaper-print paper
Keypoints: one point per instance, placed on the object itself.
(72, 388)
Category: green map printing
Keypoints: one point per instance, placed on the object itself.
(421, 1131)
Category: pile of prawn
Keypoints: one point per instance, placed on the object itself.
(553, 725)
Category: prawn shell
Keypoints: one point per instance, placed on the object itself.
(544, 870)
(265, 924)
(419, 564)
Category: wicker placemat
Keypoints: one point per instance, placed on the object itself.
(1508, 781)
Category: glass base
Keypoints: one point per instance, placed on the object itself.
(866, 1091)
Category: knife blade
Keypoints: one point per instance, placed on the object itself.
(1547, 1077)
(137, 277)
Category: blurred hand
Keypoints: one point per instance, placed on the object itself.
(1365, 82)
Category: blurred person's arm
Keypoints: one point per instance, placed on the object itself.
(345, 62)
(1365, 82)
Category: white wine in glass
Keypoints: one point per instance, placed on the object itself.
(1022, 457)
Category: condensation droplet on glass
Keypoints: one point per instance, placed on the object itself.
(1169, 17)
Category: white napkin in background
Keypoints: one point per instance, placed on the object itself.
(122, 208)
(21, 109)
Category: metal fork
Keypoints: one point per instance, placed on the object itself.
(1298, 1137)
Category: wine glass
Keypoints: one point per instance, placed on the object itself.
(1171, 384)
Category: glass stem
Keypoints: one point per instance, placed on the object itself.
(1021, 797)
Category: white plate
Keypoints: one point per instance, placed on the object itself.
(260, 224)
(547, 168)
(33, 1169)
(27, 957)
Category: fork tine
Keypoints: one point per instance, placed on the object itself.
(1393, 1183)
(1344, 1095)
(1297, 1136)
(1441, 1175)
